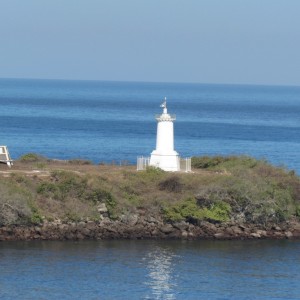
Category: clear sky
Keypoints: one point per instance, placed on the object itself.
(206, 41)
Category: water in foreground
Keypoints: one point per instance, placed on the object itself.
(150, 270)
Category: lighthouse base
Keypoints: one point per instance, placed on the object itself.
(167, 162)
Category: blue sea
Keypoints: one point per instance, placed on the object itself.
(114, 121)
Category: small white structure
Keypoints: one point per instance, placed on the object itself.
(5, 157)
(164, 156)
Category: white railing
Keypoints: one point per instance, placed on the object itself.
(5, 157)
(185, 164)
(142, 163)
(165, 117)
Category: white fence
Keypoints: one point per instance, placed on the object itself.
(185, 164)
(142, 163)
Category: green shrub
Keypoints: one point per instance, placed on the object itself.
(36, 218)
(47, 188)
(14, 204)
(32, 157)
(223, 162)
(154, 171)
(111, 204)
(68, 184)
(189, 210)
(72, 216)
(260, 200)
(205, 162)
(297, 211)
(151, 174)
(98, 195)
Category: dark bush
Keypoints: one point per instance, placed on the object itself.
(171, 184)
(80, 162)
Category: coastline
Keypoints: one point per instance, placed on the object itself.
(148, 228)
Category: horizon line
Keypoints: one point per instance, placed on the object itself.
(156, 82)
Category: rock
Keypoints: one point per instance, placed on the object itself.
(102, 208)
(219, 235)
(69, 236)
(255, 235)
(79, 236)
(168, 228)
(278, 234)
(208, 227)
(105, 222)
(295, 225)
(262, 233)
(288, 234)
(62, 227)
(229, 231)
(85, 231)
(151, 219)
(184, 234)
(154, 233)
(130, 219)
(37, 229)
(181, 225)
(57, 222)
(110, 229)
(236, 230)
(239, 218)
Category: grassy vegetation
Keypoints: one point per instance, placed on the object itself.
(220, 189)
(32, 157)
(189, 210)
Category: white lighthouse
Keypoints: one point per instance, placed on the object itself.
(164, 156)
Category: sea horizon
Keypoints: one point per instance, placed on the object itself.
(155, 82)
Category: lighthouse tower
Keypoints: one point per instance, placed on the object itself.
(164, 156)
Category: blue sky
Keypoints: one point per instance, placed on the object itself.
(206, 41)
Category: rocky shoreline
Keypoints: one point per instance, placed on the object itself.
(136, 227)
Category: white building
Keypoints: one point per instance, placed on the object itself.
(164, 156)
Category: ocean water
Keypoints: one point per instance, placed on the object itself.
(150, 270)
(114, 121)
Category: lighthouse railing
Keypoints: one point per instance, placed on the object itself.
(142, 163)
(185, 164)
(165, 117)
